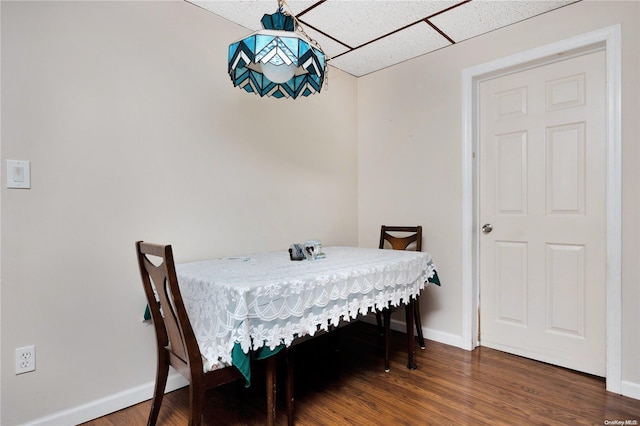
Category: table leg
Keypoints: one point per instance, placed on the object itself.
(290, 394)
(387, 337)
(271, 391)
(410, 339)
(418, 321)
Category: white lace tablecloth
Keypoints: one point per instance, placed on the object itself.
(267, 299)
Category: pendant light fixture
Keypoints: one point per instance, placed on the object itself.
(281, 60)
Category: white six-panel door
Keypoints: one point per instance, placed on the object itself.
(542, 190)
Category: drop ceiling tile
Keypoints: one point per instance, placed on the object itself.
(357, 22)
(401, 46)
(329, 46)
(248, 13)
(339, 25)
(481, 16)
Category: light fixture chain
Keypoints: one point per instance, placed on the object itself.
(300, 29)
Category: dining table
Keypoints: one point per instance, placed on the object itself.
(243, 307)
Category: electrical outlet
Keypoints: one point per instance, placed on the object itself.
(25, 359)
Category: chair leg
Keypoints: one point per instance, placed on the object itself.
(196, 401)
(387, 337)
(162, 373)
(418, 321)
(409, 310)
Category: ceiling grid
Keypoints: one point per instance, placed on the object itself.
(363, 36)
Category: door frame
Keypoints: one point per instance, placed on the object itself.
(609, 39)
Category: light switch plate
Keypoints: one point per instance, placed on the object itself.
(18, 174)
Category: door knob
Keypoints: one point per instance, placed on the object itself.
(486, 228)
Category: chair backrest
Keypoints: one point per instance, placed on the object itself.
(401, 237)
(173, 328)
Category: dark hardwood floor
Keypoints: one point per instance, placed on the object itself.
(450, 387)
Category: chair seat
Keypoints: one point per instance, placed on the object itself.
(217, 366)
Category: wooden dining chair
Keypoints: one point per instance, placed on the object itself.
(401, 238)
(176, 341)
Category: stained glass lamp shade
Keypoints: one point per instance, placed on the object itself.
(277, 61)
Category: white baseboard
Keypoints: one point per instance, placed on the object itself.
(436, 336)
(107, 405)
(630, 389)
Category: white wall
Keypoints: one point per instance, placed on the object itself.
(409, 125)
(134, 131)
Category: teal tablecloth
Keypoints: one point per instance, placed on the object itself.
(242, 361)
(435, 279)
